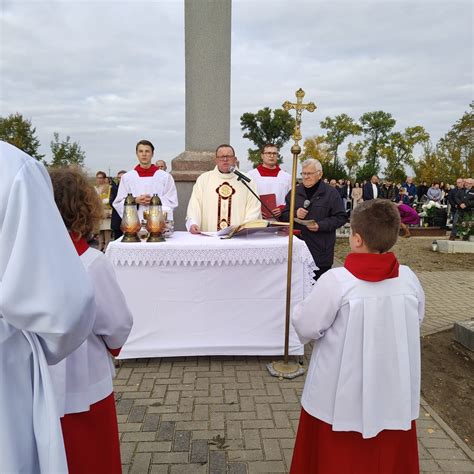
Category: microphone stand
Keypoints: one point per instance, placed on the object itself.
(258, 197)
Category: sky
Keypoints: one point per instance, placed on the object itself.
(109, 73)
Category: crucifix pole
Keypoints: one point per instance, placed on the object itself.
(286, 369)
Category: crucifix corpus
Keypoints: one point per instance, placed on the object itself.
(285, 368)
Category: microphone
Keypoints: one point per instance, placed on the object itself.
(232, 169)
(306, 204)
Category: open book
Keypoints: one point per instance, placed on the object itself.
(250, 227)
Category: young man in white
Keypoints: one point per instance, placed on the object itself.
(144, 181)
(362, 392)
(271, 179)
(219, 199)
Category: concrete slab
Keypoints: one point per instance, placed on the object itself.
(464, 333)
(453, 246)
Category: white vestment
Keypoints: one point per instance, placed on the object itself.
(364, 373)
(46, 311)
(279, 185)
(219, 200)
(85, 376)
(161, 183)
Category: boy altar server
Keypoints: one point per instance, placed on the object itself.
(83, 381)
(271, 179)
(145, 180)
(46, 311)
(362, 392)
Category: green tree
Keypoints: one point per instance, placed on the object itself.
(66, 153)
(376, 127)
(338, 129)
(398, 151)
(267, 127)
(317, 147)
(354, 157)
(433, 166)
(19, 132)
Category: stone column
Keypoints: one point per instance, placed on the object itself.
(207, 55)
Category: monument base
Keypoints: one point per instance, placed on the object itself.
(187, 167)
(454, 246)
(427, 231)
(464, 334)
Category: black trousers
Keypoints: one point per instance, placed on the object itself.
(318, 273)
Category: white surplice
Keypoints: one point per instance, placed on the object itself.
(219, 200)
(85, 376)
(364, 373)
(279, 185)
(161, 183)
(46, 311)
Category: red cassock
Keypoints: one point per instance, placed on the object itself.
(91, 439)
(320, 450)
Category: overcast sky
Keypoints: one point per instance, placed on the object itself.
(110, 73)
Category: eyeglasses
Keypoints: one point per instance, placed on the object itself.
(271, 153)
(225, 157)
(309, 173)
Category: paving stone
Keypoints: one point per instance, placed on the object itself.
(199, 451)
(182, 440)
(272, 450)
(139, 436)
(153, 446)
(159, 469)
(151, 422)
(445, 443)
(446, 454)
(137, 413)
(267, 466)
(170, 458)
(217, 462)
(188, 469)
(245, 455)
(429, 465)
(166, 431)
(126, 451)
(456, 466)
(141, 463)
(236, 468)
(124, 406)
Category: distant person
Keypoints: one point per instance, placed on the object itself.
(466, 201)
(83, 381)
(403, 197)
(218, 199)
(371, 189)
(388, 191)
(102, 187)
(356, 195)
(318, 201)
(271, 179)
(434, 193)
(47, 310)
(410, 186)
(333, 183)
(421, 191)
(115, 220)
(408, 216)
(144, 181)
(454, 198)
(362, 391)
(161, 165)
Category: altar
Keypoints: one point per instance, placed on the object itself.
(199, 295)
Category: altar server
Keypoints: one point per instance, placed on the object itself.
(271, 179)
(145, 180)
(83, 381)
(46, 311)
(362, 391)
(218, 199)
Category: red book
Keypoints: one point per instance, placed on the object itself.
(270, 201)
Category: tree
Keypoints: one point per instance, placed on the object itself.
(66, 153)
(19, 132)
(433, 166)
(399, 151)
(263, 127)
(317, 147)
(354, 156)
(376, 127)
(338, 129)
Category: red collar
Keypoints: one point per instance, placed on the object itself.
(267, 172)
(80, 244)
(372, 266)
(146, 172)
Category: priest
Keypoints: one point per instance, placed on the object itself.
(219, 199)
(145, 180)
(47, 310)
(271, 179)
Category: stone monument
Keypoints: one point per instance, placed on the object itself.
(207, 78)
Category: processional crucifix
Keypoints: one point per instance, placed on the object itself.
(286, 369)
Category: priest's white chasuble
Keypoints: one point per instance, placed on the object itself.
(219, 200)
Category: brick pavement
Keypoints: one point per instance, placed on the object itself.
(228, 415)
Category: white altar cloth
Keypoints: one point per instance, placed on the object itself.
(199, 295)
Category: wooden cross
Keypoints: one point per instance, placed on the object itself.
(299, 107)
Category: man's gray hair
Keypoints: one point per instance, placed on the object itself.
(312, 162)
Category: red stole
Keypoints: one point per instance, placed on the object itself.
(372, 266)
(146, 172)
(267, 172)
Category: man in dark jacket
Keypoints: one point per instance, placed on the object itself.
(318, 201)
(116, 220)
(371, 190)
(388, 191)
(455, 196)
